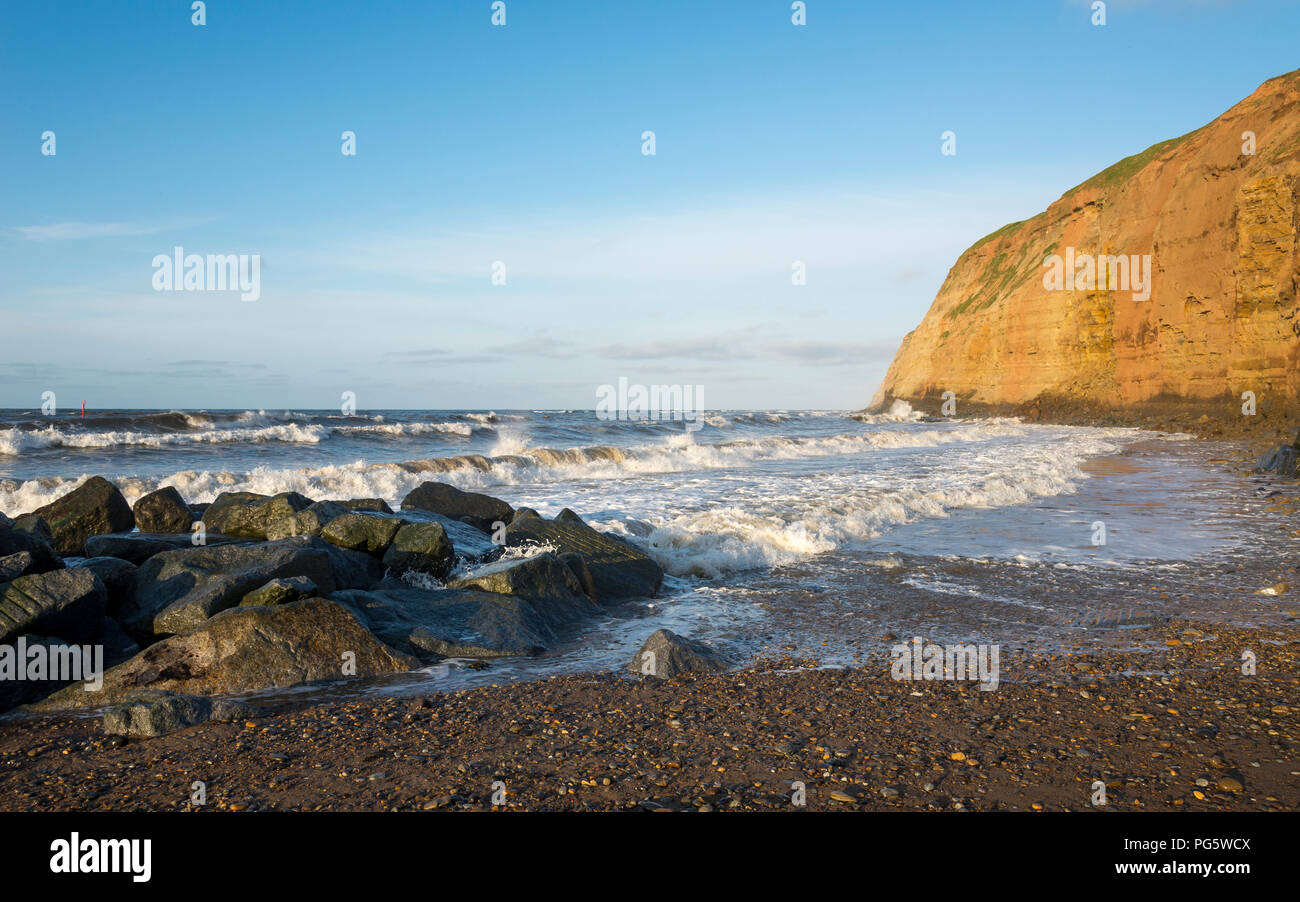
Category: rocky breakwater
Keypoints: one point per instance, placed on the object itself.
(254, 592)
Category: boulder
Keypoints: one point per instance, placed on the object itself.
(468, 542)
(5, 522)
(282, 591)
(118, 577)
(152, 712)
(64, 603)
(177, 591)
(446, 622)
(575, 563)
(618, 569)
(1283, 460)
(43, 558)
(138, 547)
(478, 510)
(249, 516)
(248, 649)
(35, 526)
(371, 533)
(92, 508)
(307, 522)
(225, 507)
(379, 505)
(117, 645)
(163, 511)
(12, 566)
(666, 654)
(543, 576)
(422, 547)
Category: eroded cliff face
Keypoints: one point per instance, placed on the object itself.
(1219, 226)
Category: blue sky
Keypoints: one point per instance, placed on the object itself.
(522, 144)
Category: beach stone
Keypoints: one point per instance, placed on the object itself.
(618, 569)
(152, 712)
(665, 655)
(463, 623)
(1230, 784)
(138, 547)
(282, 591)
(118, 577)
(247, 649)
(64, 603)
(163, 511)
(543, 576)
(307, 522)
(366, 532)
(478, 510)
(177, 591)
(422, 547)
(92, 508)
(16, 541)
(5, 521)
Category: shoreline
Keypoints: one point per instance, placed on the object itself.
(1150, 728)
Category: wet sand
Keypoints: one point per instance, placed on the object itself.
(1179, 728)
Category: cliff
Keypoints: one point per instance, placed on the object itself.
(1217, 228)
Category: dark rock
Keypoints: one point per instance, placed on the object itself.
(618, 569)
(150, 712)
(224, 507)
(163, 511)
(447, 622)
(14, 541)
(422, 547)
(366, 504)
(177, 591)
(249, 515)
(64, 603)
(372, 533)
(92, 508)
(118, 646)
(307, 522)
(282, 591)
(35, 526)
(138, 547)
(468, 542)
(575, 563)
(1283, 460)
(247, 649)
(12, 566)
(543, 576)
(470, 507)
(666, 654)
(118, 577)
(525, 512)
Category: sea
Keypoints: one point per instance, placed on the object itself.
(813, 535)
